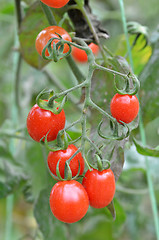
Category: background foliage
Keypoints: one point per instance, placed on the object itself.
(22, 162)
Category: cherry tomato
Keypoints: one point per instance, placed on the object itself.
(100, 187)
(50, 32)
(64, 155)
(55, 3)
(69, 201)
(124, 107)
(80, 55)
(40, 122)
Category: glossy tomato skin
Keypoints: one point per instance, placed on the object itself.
(55, 3)
(69, 201)
(63, 155)
(50, 32)
(80, 55)
(100, 187)
(124, 107)
(40, 122)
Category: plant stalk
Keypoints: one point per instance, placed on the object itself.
(142, 133)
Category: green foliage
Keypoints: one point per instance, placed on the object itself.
(12, 174)
(24, 172)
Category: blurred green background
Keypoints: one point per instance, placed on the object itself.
(23, 174)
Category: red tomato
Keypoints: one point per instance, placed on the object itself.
(50, 32)
(40, 122)
(80, 55)
(64, 155)
(124, 107)
(100, 187)
(55, 3)
(69, 201)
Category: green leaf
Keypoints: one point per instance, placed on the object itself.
(145, 150)
(12, 175)
(149, 83)
(140, 57)
(50, 227)
(32, 24)
(99, 223)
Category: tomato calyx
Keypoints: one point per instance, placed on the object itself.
(117, 132)
(61, 144)
(100, 163)
(67, 171)
(56, 50)
(50, 104)
(132, 85)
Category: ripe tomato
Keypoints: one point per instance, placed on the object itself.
(80, 55)
(124, 107)
(40, 122)
(69, 201)
(55, 3)
(64, 155)
(50, 32)
(100, 187)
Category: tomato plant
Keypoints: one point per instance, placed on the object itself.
(124, 107)
(51, 32)
(63, 156)
(40, 122)
(80, 55)
(69, 201)
(100, 187)
(55, 3)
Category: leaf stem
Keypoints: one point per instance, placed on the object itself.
(17, 82)
(75, 69)
(142, 133)
(18, 12)
(82, 9)
(9, 210)
(48, 13)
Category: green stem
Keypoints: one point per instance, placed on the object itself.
(75, 69)
(60, 86)
(82, 9)
(142, 134)
(94, 146)
(49, 15)
(13, 110)
(111, 71)
(92, 104)
(18, 12)
(9, 210)
(126, 33)
(73, 124)
(17, 82)
(70, 90)
(3, 134)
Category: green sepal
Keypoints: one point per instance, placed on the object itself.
(68, 172)
(128, 90)
(77, 175)
(58, 171)
(56, 52)
(99, 163)
(54, 148)
(115, 135)
(50, 105)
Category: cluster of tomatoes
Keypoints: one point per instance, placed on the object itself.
(69, 199)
